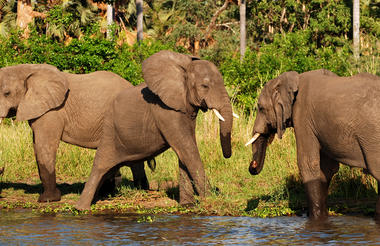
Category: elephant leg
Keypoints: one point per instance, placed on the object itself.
(104, 167)
(309, 164)
(372, 161)
(329, 168)
(377, 212)
(139, 177)
(186, 188)
(192, 179)
(46, 142)
(110, 185)
(317, 189)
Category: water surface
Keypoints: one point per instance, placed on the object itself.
(28, 228)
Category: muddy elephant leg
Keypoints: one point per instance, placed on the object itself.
(317, 184)
(139, 177)
(45, 142)
(308, 158)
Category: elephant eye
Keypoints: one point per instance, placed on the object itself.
(7, 93)
(204, 86)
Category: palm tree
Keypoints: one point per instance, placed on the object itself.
(68, 20)
(8, 16)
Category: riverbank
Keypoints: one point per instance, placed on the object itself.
(276, 191)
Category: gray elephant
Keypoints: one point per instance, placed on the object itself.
(335, 119)
(59, 106)
(165, 110)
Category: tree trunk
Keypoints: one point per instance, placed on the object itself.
(109, 19)
(242, 29)
(25, 15)
(356, 28)
(139, 10)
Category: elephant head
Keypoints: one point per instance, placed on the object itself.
(274, 115)
(28, 91)
(185, 83)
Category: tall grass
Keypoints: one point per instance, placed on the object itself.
(234, 190)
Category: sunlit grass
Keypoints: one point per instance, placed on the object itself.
(277, 190)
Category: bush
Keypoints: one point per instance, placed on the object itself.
(290, 52)
(84, 55)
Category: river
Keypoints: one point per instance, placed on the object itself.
(23, 227)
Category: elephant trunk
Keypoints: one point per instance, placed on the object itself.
(259, 148)
(225, 129)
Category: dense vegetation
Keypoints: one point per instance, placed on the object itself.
(281, 36)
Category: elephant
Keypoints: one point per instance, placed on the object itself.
(335, 120)
(164, 110)
(59, 106)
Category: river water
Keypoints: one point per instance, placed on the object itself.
(28, 228)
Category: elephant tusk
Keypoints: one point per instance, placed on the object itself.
(235, 115)
(253, 139)
(218, 114)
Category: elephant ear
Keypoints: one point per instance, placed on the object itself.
(285, 89)
(165, 74)
(45, 90)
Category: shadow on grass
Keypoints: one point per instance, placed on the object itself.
(65, 188)
(346, 196)
(37, 188)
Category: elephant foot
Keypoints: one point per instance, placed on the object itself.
(188, 205)
(50, 196)
(82, 206)
(318, 215)
(187, 202)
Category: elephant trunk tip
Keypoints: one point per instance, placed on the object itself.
(253, 168)
(226, 145)
(227, 154)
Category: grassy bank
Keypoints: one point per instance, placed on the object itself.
(276, 191)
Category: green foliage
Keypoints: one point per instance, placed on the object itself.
(85, 55)
(290, 52)
(282, 35)
(71, 19)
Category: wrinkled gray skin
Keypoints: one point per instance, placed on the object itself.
(335, 119)
(59, 106)
(165, 110)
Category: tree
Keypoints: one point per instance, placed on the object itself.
(139, 9)
(109, 19)
(25, 15)
(356, 27)
(8, 16)
(242, 29)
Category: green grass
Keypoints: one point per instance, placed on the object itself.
(276, 191)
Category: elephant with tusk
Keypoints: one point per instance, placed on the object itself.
(165, 108)
(335, 120)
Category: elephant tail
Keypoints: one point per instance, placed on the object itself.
(152, 164)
